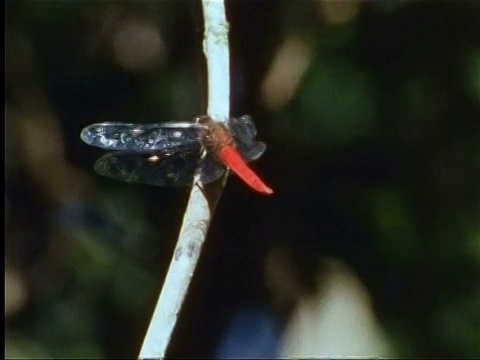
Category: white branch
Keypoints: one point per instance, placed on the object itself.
(215, 48)
(197, 215)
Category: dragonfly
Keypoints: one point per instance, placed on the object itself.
(171, 153)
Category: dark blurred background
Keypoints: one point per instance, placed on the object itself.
(369, 246)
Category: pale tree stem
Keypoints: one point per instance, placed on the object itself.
(215, 48)
(198, 213)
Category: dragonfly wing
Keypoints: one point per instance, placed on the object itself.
(243, 128)
(142, 137)
(162, 168)
(211, 169)
(244, 131)
(253, 151)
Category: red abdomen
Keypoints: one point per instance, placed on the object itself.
(234, 160)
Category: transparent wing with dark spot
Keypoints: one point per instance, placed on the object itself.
(142, 137)
(162, 168)
(244, 131)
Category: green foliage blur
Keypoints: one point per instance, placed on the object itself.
(372, 126)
